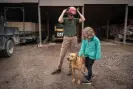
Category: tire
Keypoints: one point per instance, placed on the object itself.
(37, 40)
(9, 48)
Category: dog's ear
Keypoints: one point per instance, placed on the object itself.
(77, 57)
(68, 58)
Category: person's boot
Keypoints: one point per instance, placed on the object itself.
(69, 74)
(57, 71)
(86, 82)
(87, 76)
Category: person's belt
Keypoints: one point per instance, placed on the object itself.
(69, 35)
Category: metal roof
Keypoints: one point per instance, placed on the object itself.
(18, 1)
(80, 2)
(70, 2)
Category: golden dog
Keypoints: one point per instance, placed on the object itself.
(77, 63)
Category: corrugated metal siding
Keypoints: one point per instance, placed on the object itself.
(130, 3)
(61, 2)
(106, 1)
(79, 2)
(18, 1)
(70, 2)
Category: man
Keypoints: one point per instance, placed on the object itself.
(70, 38)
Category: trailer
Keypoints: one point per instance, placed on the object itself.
(28, 31)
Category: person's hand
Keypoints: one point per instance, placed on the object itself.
(78, 9)
(64, 11)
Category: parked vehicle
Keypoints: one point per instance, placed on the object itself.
(58, 32)
(9, 37)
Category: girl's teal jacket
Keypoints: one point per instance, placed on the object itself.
(91, 48)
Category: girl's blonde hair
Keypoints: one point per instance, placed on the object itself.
(88, 31)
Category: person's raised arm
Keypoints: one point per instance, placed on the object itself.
(82, 18)
(61, 20)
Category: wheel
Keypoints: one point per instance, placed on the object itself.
(9, 48)
(37, 40)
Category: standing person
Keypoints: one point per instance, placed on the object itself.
(70, 38)
(90, 50)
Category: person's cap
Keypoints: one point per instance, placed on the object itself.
(72, 10)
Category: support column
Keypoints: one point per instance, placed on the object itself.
(39, 21)
(82, 14)
(125, 25)
(23, 24)
(107, 34)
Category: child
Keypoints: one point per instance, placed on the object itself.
(91, 50)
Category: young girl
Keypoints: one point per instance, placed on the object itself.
(90, 50)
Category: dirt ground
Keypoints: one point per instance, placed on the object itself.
(30, 68)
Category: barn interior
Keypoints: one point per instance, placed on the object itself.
(99, 16)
